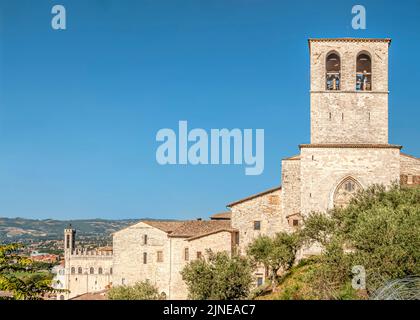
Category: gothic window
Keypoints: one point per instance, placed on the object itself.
(91, 270)
(73, 270)
(333, 68)
(363, 72)
(99, 270)
(79, 270)
(346, 191)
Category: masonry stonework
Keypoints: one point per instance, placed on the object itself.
(348, 151)
(347, 115)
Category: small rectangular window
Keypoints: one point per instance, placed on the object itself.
(257, 225)
(186, 254)
(160, 256)
(410, 179)
(199, 255)
(145, 239)
(260, 281)
(295, 222)
(237, 238)
(144, 257)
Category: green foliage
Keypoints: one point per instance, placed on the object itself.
(276, 253)
(140, 291)
(220, 277)
(379, 230)
(22, 277)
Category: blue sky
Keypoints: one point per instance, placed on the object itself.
(80, 108)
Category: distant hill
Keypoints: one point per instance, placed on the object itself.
(19, 229)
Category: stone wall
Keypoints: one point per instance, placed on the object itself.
(265, 208)
(217, 242)
(322, 169)
(410, 170)
(347, 115)
(129, 249)
(85, 282)
(290, 188)
(353, 117)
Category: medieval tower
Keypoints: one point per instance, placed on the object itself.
(349, 146)
(348, 151)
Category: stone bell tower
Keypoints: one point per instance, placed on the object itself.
(349, 147)
(349, 90)
(69, 240)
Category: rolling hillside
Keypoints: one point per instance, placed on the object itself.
(19, 229)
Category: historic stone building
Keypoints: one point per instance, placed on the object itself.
(348, 151)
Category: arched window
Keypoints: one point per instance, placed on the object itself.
(79, 270)
(91, 270)
(363, 72)
(99, 270)
(345, 191)
(73, 270)
(333, 69)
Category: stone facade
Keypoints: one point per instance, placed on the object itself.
(349, 151)
(322, 170)
(347, 115)
(85, 271)
(256, 215)
(410, 170)
(153, 251)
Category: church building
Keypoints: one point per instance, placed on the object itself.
(348, 151)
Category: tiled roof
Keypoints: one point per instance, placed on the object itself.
(196, 228)
(191, 228)
(166, 226)
(253, 196)
(409, 156)
(91, 296)
(221, 216)
(296, 157)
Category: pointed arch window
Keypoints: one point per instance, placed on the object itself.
(91, 270)
(345, 191)
(79, 270)
(363, 72)
(333, 70)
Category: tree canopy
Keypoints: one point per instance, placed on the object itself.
(20, 276)
(219, 277)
